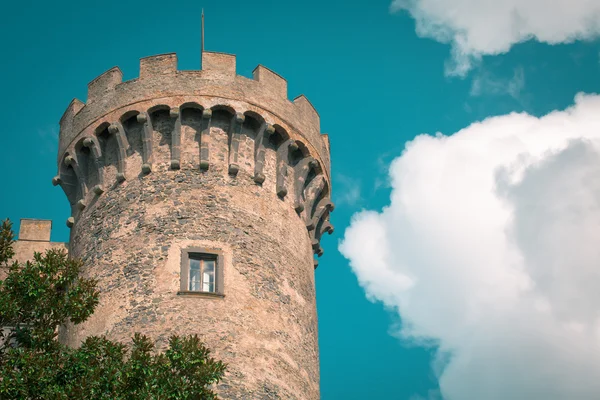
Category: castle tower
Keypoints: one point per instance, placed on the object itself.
(198, 201)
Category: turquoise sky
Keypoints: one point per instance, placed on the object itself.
(375, 83)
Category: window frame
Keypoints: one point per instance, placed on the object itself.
(203, 254)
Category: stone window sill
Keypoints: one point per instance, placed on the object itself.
(200, 294)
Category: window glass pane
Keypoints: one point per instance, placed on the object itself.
(194, 274)
(195, 264)
(208, 276)
(194, 280)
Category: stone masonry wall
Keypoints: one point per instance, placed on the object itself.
(265, 327)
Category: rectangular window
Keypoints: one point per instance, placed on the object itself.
(201, 272)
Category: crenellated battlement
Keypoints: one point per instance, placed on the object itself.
(163, 64)
(271, 80)
(219, 64)
(104, 85)
(210, 121)
(159, 78)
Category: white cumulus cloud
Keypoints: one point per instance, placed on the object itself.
(490, 249)
(487, 27)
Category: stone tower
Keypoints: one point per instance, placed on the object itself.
(198, 201)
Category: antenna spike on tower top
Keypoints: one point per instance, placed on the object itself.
(202, 33)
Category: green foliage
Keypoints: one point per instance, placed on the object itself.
(39, 296)
(7, 238)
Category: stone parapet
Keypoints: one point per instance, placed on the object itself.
(159, 79)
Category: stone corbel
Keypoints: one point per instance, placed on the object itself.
(119, 132)
(266, 130)
(147, 133)
(204, 138)
(234, 147)
(94, 147)
(283, 156)
(301, 171)
(176, 139)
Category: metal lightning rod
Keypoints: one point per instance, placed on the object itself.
(202, 34)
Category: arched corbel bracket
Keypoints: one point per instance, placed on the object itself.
(234, 147)
(315, 235)
(266, 130)
(70, 222)
(282, 165)
(144, 119)
(176, 139)
(311, 193)
(119, 132)
(66, 185)
(94, 147)
(301, 171)
(71, 161)
(325, 205)
(204, 138)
